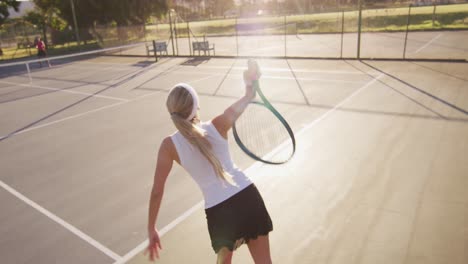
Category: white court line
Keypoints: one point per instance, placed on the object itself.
(268, 76)
(428, 43)
(65, 91)
(264, 69)
(254, 166)
(88, 112)
(143, 96)
(61, 222)
(61, 120)
(162, 232)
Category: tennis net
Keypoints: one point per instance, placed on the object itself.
(73, 66)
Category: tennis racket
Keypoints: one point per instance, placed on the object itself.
(262, 132)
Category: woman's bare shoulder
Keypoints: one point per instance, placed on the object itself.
(168, 148)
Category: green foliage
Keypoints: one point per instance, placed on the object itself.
(89, 12)
(4, 5)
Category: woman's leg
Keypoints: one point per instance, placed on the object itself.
(260, 250)
(224, 256)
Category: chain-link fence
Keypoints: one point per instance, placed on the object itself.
(18, 40)
(399, 31)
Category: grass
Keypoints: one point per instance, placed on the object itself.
(373, 20)
(447, 17)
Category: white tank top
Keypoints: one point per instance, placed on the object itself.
(215, 190)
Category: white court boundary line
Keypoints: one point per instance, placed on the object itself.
(288, 70)
(254, 166)
(143, 96)
(91, 111)
(57, 219)
(64, 90)
(61, 222)
(428, 43)
(168, 227)
(267, 76)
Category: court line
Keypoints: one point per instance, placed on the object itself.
(140, 97)
(271, 76)
(298, 83)
(428, 43)
(64, 90)
(88, 112)
(264, 69)
(254, 166)
(61, 120)
(61, 222)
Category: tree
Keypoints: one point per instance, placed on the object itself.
(4, 5)
(218, 7)
(123, 12)
(92, 12)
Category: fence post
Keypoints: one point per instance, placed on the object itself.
(342, 33)
(433, 15)
(154, 50)
(189, 41)
(285, 36)
(172, 36)
(359, 31)
(175, 35)
(237, 38)
(406, 35)
(77, 35)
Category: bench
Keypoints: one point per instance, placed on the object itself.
(203, 46)
(156, 47)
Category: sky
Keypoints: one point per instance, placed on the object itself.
(24, 8)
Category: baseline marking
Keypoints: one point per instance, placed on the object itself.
(65, 91)
(254, 166)
(61, 222)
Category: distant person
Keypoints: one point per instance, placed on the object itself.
(1, 52)
(41, 50)
(235, 211)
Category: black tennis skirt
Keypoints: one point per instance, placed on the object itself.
(238, 219)
(41, 53)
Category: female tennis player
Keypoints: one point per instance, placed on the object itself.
(234, 208)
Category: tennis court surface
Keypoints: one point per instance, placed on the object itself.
(379, 175)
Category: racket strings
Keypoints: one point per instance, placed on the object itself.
(263, 134)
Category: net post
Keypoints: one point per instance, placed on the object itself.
(29, 73)
(407, 27)
(342, 33)
(359, 30)
(154, 50)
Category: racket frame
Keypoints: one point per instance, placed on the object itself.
(283, 121)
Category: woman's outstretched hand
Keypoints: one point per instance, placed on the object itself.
(250, 75)
(154, 244)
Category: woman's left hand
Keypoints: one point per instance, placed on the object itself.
(154, 244)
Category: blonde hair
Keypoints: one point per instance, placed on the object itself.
(180, 104)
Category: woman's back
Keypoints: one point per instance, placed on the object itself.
(215, 190)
